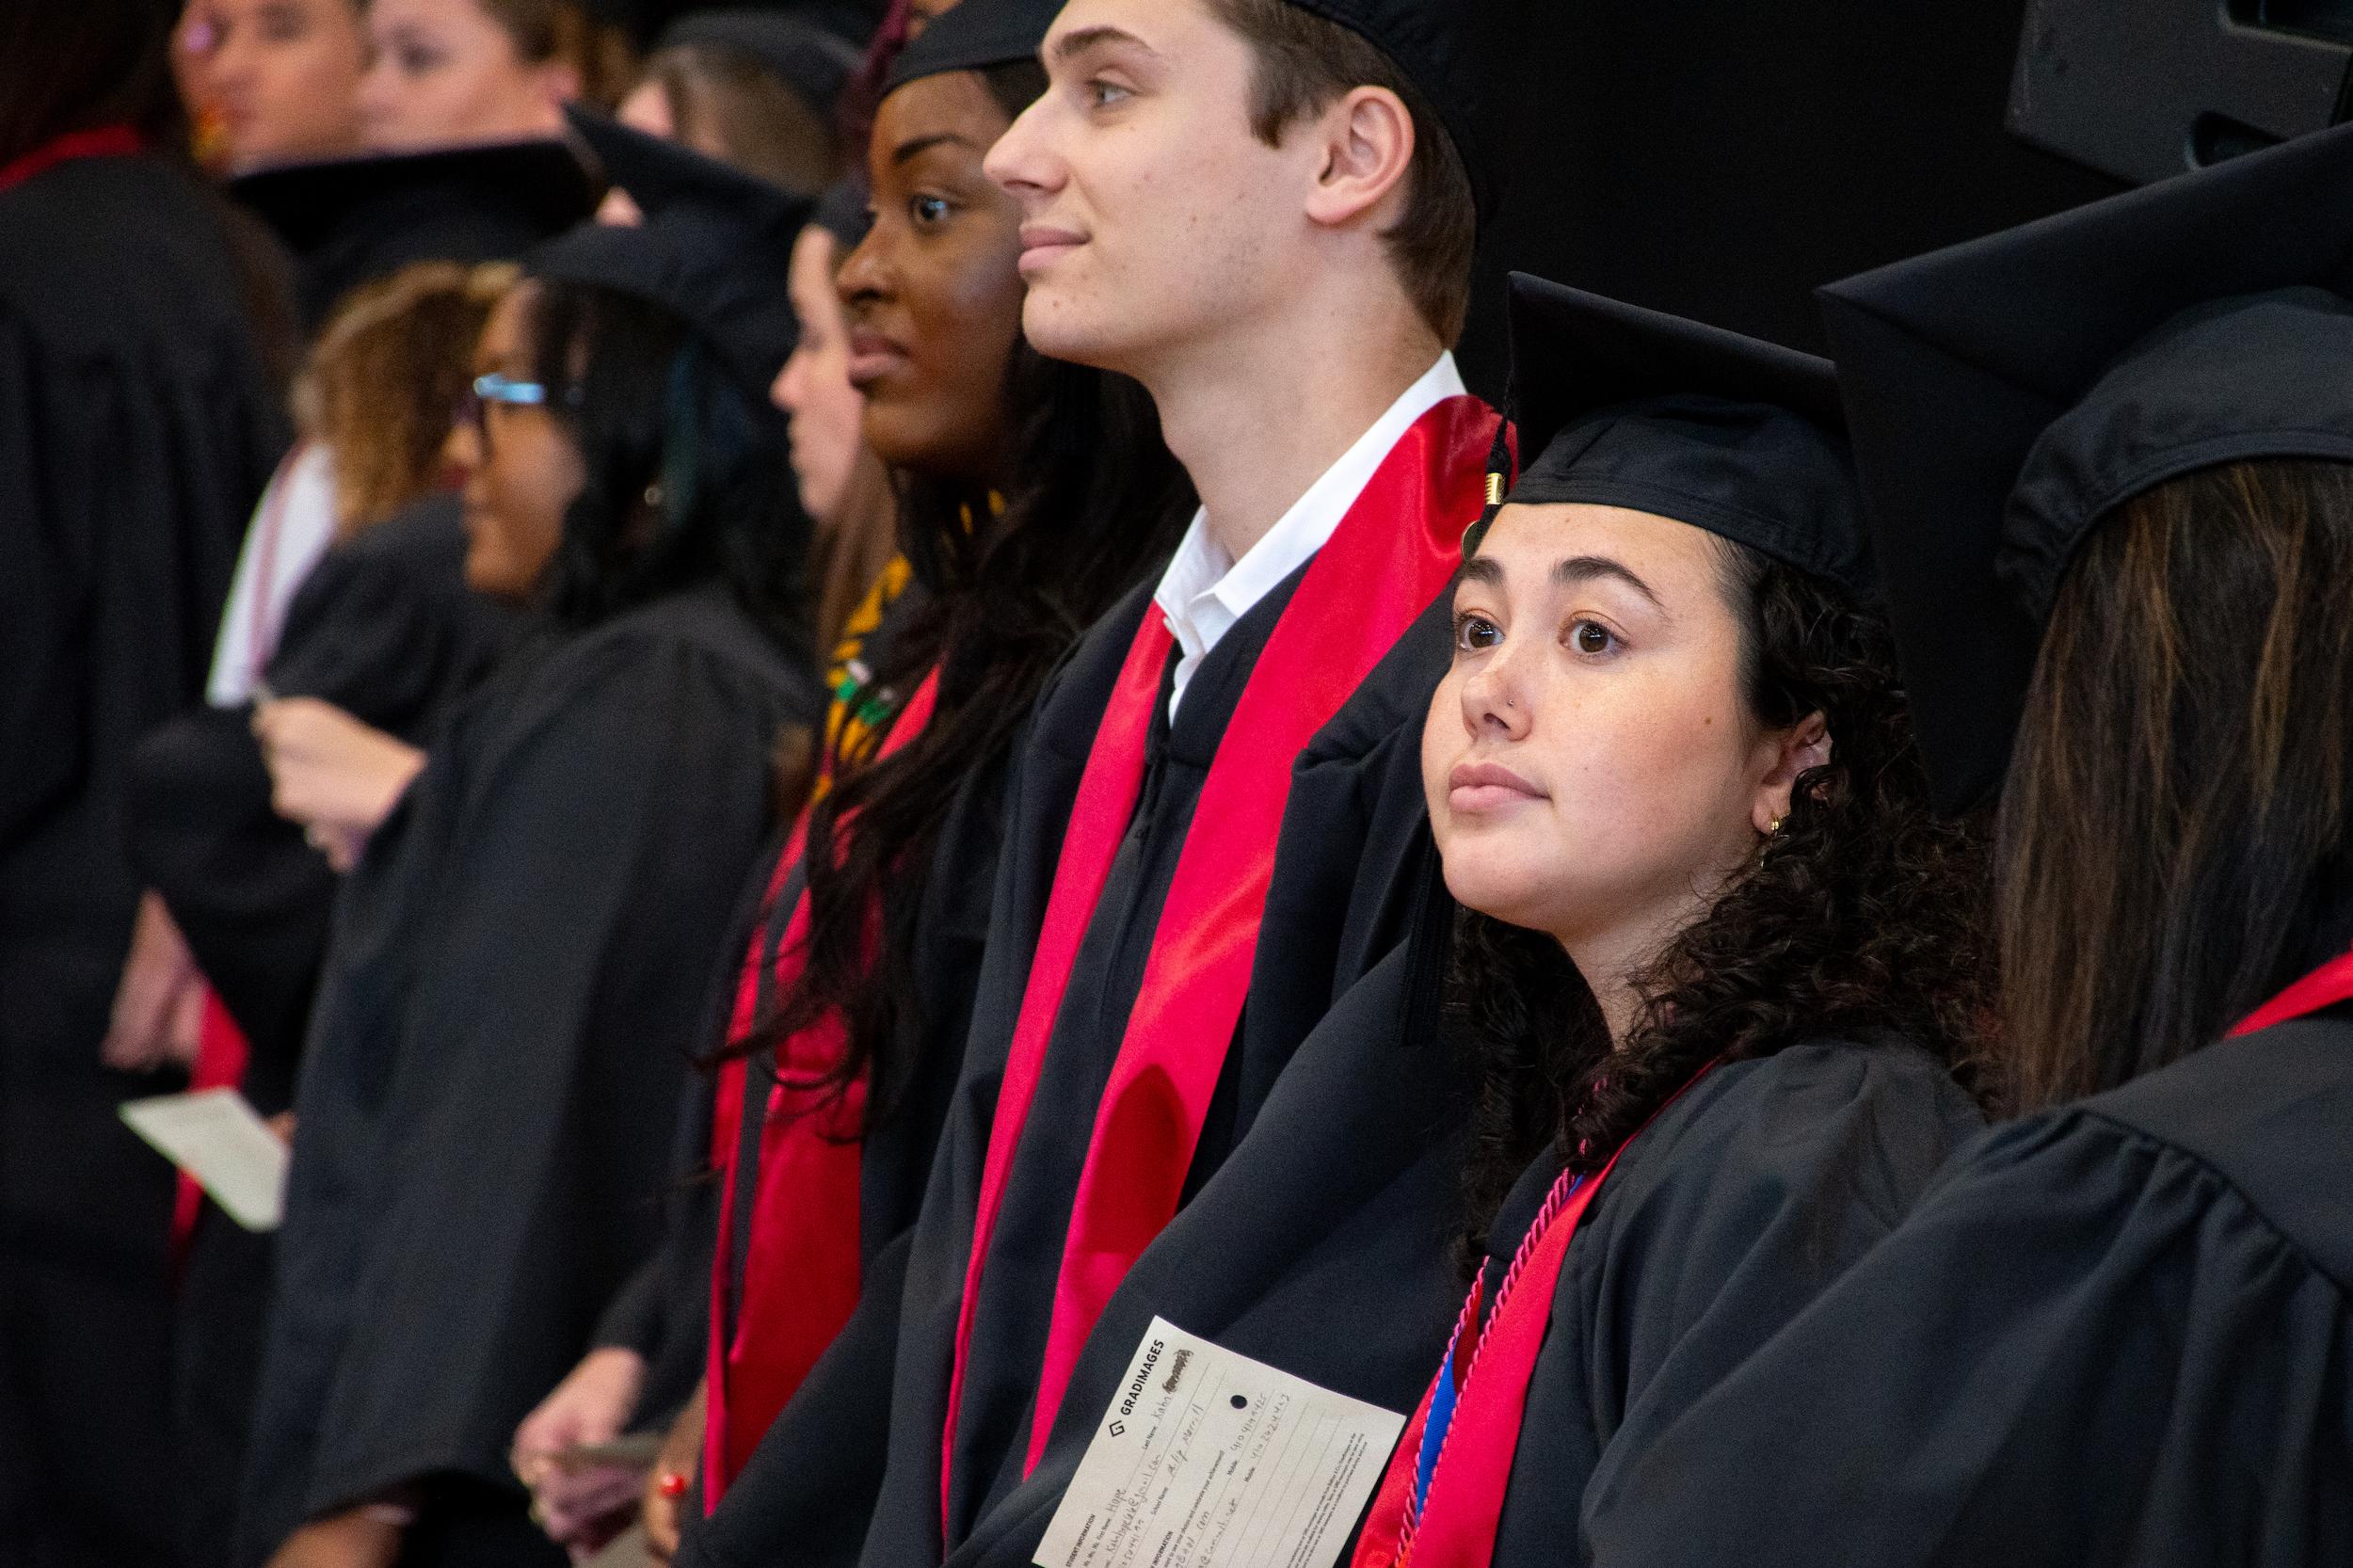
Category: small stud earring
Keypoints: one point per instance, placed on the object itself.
(653, 496)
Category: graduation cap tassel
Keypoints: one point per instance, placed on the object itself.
(1503, 465)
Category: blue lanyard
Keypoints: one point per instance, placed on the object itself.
(1434, 1433)
(1447, 1391)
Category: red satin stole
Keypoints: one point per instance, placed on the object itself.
(802, 1270)
(1456, 1526)
(1391, 554)
(2325, 987)
(105, 141)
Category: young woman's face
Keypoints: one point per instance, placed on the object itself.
(1593, 768)
(814, 387)
(445, 72)
(932, 295)
(285, 75)
(522, 468)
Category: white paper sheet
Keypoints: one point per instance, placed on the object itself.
(1207, 1458)
(220, 1141)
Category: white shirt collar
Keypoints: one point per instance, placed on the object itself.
(1204, 592)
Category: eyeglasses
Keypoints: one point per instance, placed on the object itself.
(495, 387)
(473, 409)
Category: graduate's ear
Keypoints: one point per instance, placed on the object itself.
(1794, 752)
(1364, 147)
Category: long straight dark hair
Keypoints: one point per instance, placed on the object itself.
(2174, 837)
(1009, 584)
(685, 469)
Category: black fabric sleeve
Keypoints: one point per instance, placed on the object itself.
(586, 876)
(43, 594)
(663, 1312)
(2084, 1348)
(808, 1489)
(253, 899)
(385, 627)
(634, 1320)
(1793, 1170)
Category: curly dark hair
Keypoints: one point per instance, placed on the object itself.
(1864, 917)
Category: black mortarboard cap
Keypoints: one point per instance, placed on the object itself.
(1435, 44)
(1624, 406)
(2007, 394)
(519, 188)
(715, 248)
(350, 221)
(977, 34)
(813, 60)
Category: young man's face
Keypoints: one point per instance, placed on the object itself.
(1155, 219)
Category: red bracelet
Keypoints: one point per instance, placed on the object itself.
(672, 1484)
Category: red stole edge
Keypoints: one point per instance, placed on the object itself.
(801, 1274)
(104, 141)
(2325, 987)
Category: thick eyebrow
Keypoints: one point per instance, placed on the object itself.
(917, 147)
(1072, 44)
(1567, 573)
(1588, 568)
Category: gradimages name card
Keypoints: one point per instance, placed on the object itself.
(1207, 1458)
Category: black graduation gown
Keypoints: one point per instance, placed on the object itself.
(1747, 1197)
(665, 1315)
(2118, 1333)
(386, 629)
(484, 1137)
(138, 429)
(1353, 843)
(660, 1312)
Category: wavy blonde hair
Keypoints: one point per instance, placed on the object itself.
(379, 386)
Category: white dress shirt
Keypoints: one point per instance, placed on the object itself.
(1204, 591)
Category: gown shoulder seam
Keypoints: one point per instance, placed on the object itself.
(2287, 1239)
